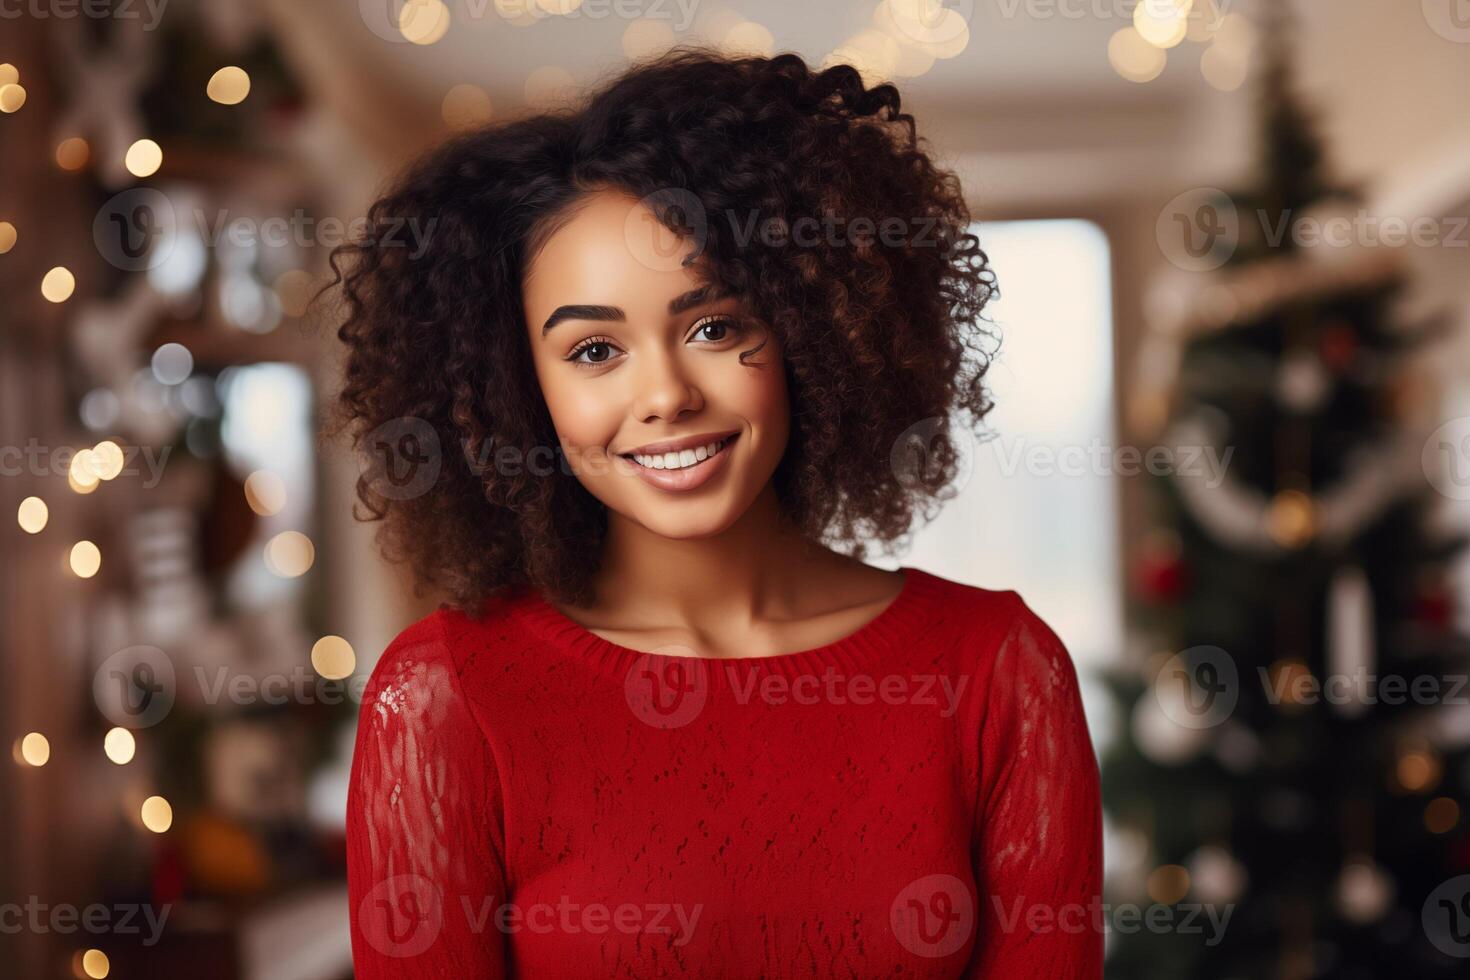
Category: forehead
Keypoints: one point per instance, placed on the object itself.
(611, 250)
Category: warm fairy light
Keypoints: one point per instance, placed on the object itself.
(423, 21)
(289, 554)
(646, 37)
(72, 154)
(1441, 815)
(293, 289)
(874, 54)
(1162, 23)
(1168, 884)
(1418, 770)
(8, 74)
(119, 745)
(143, 158)
(517, 12)
(750, 39)
(1134, 58)
(465, 105)
(1291, 519)
(944, 31)
(107, 460)
(7, 237)
(12, 97)
(35, 750)
(914, 58)
(85, 559)
(95, 964)
(1293, 678)
(157, 815)
(77, 485)
(332, 657)
(32, 515)
(265, 492)
(228, 86)
(549, 84)
(1224, 68)
(83, 471)
(58, 284)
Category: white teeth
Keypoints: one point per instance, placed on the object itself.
(679, 460)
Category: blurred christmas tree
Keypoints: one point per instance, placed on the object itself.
(1287, 760)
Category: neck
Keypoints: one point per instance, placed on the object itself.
(752, 569)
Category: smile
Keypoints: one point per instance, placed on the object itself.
(683, 470)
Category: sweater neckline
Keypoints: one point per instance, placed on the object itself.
(892, 627)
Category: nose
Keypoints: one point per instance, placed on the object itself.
(663, 390)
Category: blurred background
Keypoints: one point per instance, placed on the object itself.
(1230, 462)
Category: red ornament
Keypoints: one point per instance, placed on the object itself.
(1339, 346)
(1434, 607)
(1161, 576)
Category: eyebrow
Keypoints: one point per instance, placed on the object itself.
(677, 305)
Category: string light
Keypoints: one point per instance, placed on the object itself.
(7, 236)
(58, 284)
(157, 815)
(32, 515)
(646, 37)
(463, 106)
(423, 21)
(143, 158)
(95, 964)
(289, 554)
(332, 657)
(73, 153)
(12, 97)
(85, 559)
(35, 750)
(119, 745)
(265, 492)
(228, 86)
(1134, 58)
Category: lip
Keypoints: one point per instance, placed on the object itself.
(675, 445)
(691, 476)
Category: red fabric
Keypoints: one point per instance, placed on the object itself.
(919, 799)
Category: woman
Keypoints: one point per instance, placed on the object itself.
(655, 356)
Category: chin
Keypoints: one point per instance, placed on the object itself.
(686, 520)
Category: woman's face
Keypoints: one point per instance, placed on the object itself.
(631, 352)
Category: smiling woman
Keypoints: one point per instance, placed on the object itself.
(663, 727)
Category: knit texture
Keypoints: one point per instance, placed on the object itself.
(917, 799)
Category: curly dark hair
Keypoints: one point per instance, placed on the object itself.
(879, 330)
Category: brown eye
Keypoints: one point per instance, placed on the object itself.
(600, 352)
(715, 329)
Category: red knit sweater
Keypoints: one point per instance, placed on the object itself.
(919, 798)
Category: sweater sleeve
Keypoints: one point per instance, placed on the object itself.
(1038, 839)
(424, 834)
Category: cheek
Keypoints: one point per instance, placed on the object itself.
(582, 413)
